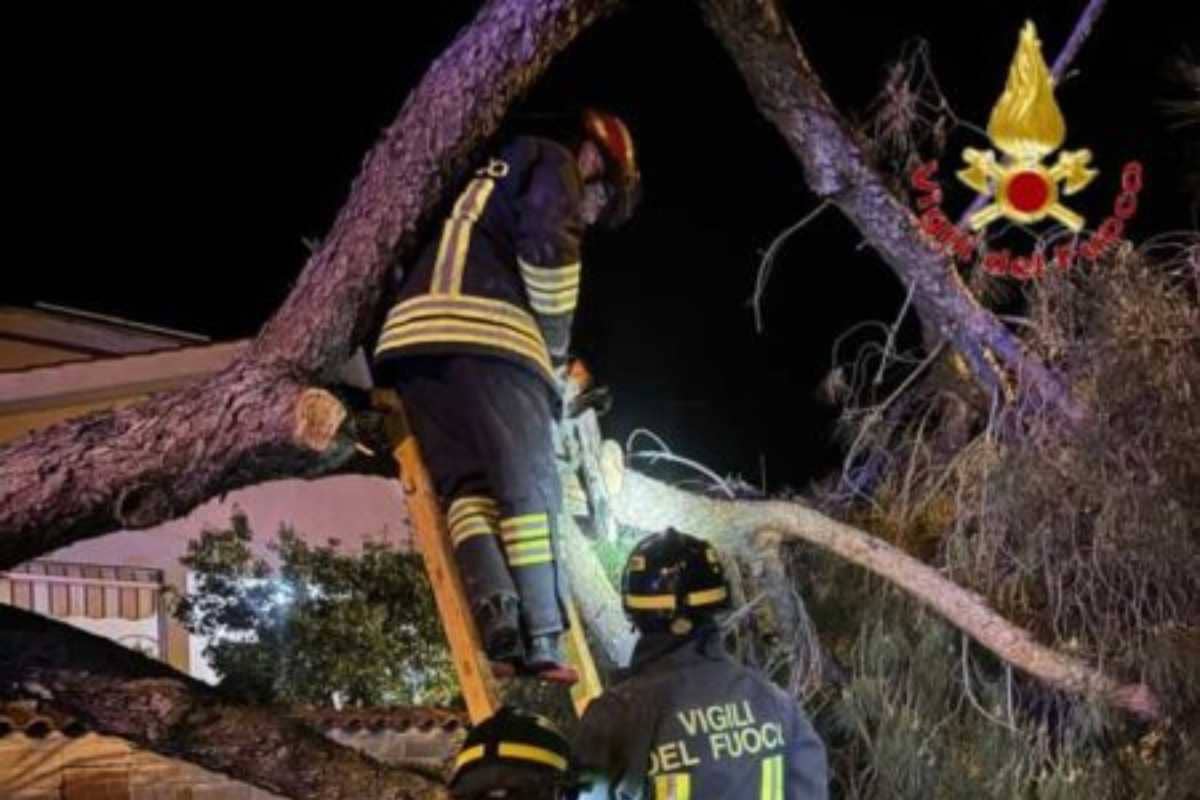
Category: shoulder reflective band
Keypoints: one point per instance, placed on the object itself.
(528, 752)
(772, 779)
(666, 602)
(467, 756)
(673, 787)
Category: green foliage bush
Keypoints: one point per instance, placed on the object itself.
(324, 625)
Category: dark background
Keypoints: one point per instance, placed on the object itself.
(166, 168)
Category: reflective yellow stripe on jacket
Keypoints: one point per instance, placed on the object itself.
(464, 319)
(676, 786)
(444, 315)
(551, 290)
(456, 236)
(772, 778)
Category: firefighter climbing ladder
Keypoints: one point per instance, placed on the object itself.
(479, 687)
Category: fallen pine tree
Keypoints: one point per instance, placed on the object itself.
(269, 414)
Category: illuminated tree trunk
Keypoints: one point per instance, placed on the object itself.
(735, 525)
(598, 602)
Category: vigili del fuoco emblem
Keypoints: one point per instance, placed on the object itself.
(1026, 126)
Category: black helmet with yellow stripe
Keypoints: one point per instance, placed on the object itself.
(672, 582)
(512, 754)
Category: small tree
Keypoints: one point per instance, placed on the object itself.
(326, 627)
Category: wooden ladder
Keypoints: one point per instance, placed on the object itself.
(479, 687)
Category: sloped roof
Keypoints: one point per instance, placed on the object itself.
(99, 379)
(112, 359)
(70, 331)
(395, 718)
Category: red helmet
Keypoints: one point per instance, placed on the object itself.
(612, 136)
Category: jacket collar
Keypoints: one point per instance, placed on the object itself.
(663, 650)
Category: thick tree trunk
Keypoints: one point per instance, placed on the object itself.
(144, 465)
(457, 105)
(788, 93)
(733, 525)
(121, 693)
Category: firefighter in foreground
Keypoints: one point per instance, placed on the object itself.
(688, 722)
(515, 755)
(475, 343)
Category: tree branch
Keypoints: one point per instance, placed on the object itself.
(457, 105)
(789, 93)
(732, 525)
(1079, 35)
(140, 466)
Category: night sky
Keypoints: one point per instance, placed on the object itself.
(168, 168)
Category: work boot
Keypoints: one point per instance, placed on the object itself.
(499, 623)
(544, 660)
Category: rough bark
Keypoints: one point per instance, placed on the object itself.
(457, 105)
(733, 525)
(121, 693)
(598, 603)
(141, 466)
(788, 92)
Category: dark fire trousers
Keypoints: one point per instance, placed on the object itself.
(485, 429)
